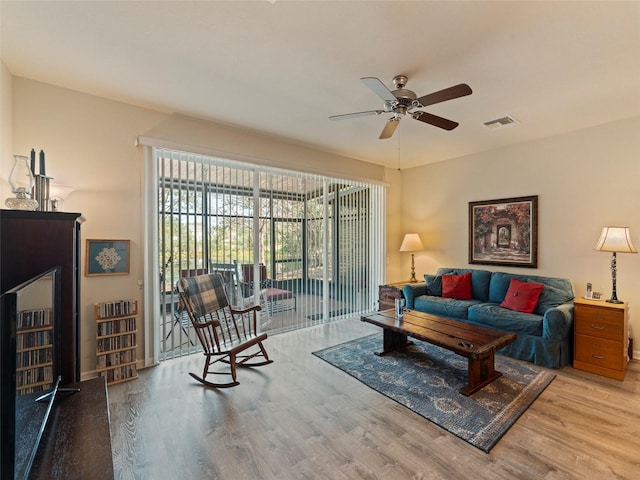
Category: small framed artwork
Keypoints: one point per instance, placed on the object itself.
(504, 232)
(107, 257)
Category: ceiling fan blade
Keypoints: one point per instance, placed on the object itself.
(389, 128)
(379, 88)
(435, 120)
(446, 94)
(356, 114)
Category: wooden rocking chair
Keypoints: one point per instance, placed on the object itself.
(226, 333)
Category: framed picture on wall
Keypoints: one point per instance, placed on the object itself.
(504, 232)
(107, 257)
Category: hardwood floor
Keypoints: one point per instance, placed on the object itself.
(302, 418)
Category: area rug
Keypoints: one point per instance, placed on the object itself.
(427, 380)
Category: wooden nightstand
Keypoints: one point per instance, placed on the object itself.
(388, 293)
(601, 337)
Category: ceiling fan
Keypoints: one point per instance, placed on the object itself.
(402, 101)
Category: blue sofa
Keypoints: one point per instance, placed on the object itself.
(544, 336)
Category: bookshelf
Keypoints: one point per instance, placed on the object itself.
(116, 340)
(34, 349)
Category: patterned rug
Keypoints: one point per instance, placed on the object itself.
(427, 380)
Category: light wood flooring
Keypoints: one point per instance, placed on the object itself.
(300, 418)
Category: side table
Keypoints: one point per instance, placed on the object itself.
(388, 293)
(601, 337)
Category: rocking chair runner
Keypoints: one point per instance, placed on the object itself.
(225, 333)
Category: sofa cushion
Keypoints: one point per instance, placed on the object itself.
(522, 296)
(434, 285)
(457, 286)
(445, 307)
(499, 285)
(480, 280)
(553, 294)
(561, 290)
(494, 316)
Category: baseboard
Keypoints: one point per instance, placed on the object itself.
(142, 364)
(88, 375)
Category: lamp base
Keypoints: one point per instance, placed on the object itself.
(413, 271)
(21, 203)
(614, 300)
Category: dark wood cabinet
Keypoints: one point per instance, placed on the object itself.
(32, 242)
(388, 293)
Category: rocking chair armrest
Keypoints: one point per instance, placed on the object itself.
(212, 321)
(234, 310)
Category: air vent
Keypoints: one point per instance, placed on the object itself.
(501, 122)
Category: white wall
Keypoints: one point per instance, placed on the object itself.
(89, 144)
(584, 180)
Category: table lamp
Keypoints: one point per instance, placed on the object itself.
(412, 243)
(615, 239)
(57, 196)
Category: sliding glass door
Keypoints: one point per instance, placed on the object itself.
(306, 248)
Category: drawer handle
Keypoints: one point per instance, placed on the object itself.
(599, 357)
(598, 327)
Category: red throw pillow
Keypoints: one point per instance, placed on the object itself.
(522, 296)
(457, 286)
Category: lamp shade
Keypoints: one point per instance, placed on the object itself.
(411, 243)
(59, 191)
(615, 239)
(57, 195)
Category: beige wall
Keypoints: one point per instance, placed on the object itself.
(6, 130)
(584, 180)
(394, 266)
(90, 144)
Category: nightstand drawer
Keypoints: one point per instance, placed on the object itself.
(599, 322)
(600, 352)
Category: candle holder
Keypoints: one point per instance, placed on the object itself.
(21, 181)
(41, 193)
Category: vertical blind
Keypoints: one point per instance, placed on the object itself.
(307, 248)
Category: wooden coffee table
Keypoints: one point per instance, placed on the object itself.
(477, 344)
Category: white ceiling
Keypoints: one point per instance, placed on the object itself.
(282, 68)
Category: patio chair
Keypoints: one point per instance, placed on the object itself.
(271, 294)
(235, 292)
(227, 335)
(230, 276)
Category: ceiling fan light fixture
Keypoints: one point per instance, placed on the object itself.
(503, 122)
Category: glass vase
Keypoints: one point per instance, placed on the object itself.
(21, 180)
